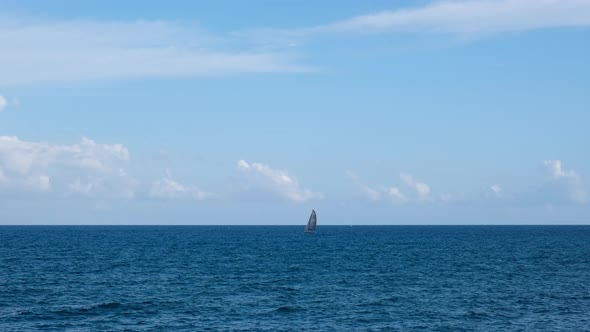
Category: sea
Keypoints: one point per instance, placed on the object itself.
(277, 278)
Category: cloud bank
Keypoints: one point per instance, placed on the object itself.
(96, 170)
(85, 168)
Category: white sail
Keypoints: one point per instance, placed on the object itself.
(311, 224)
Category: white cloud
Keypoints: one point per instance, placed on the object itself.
(3, 103)
(372, 194)
(277, 181)
(377, 194)
(2, 177)
(567, 181)
(579, 195)
(171, 189)
(445, 197)
(496, 189)
(36, 51)
(38, 183)
(421, 188)
(556, 171)
(473, 17)
(80, 188)
(42, 166)
(396, 194)
(243, 165)
(407, 179)
(466, 19)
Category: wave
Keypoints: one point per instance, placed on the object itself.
(85, 310)
(288, 309)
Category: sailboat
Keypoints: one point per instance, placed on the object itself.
(311, 224)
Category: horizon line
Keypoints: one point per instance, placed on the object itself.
(278, 225)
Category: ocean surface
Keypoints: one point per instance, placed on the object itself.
(276, 278)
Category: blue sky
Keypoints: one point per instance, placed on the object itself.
(227, 112)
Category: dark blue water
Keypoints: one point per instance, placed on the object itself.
(280, 279)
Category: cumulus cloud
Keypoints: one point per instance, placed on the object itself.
(372, 193)
(557, 172)
(377, 194)
(277, 181)
(422, 189)
(475, 17)
(396, 194)
(170, 189)
(566, 181)
(496, 189)
(3, 103)
(86, 167)
(445, 197)
(36, 51)
(243, 165)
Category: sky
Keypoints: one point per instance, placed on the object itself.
(255, 112)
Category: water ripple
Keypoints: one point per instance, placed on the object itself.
(279, 279)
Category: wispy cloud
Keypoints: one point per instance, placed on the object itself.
(393, 193)
(87, 167)
(36, 51)
(496, 189)
(557, 172)
(463, 19)
(374, 194)
(566, 181)
(277, 181)
(421, 188)
(460, 18)
(169, 188)
(558, 186)
(473, 17)
(3, 103)
(396, 194)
